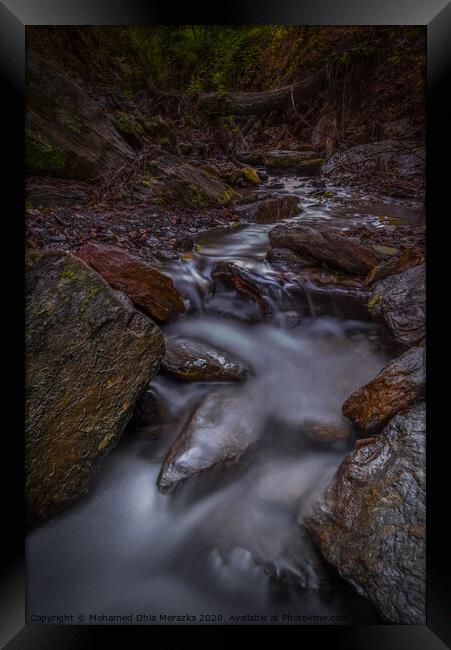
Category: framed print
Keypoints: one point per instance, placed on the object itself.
(224, 225)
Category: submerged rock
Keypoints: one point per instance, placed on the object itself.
(400, 302)
(370, 524)
(146, 286)
(88, 358)
(399, 383)
(220, 429)
(272, 209)
(194, 361)
(324, 245)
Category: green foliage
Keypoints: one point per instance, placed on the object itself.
(128, 126)
(41, 156)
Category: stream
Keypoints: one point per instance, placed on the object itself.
(227, 542)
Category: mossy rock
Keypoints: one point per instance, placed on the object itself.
(251, 176)
(89, 358)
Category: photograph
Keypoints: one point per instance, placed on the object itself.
(225, 324)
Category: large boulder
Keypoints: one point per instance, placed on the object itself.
(399, 383)
(194, 361)
(89, 356)
(146, 286)
(221, 428)
(370, 523)
(173, 180)
(325, 245)
(400, 302)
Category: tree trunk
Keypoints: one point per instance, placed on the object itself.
(256, 103)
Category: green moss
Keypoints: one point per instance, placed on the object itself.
(251, 175)
(373, 300)
(70, 274)
(125, 124)
(90, 295)
(196, 196)
(67, 117)
(226, 196)
(41, 156)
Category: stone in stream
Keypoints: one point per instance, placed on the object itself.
(370, 523)
(302, 162)
(399, 383)
(146, 286)
(329, 290)
(271, 209)
(194, 361)
(220, 430)
(89, 356)
(400, 302)
(337, 249)
(244, 281)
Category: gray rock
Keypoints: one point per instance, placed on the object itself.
(370, 523)
(88, 359)
(400, 301)
(221, 428)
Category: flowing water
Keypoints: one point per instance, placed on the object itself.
(226, 542)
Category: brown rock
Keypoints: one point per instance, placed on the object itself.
(243, 281)
(193, 361)
(331, 247)
(146, 286)
(399, 383)
(88, 359)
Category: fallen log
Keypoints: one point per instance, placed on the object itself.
(256, 103)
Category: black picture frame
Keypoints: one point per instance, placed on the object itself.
(15, 15)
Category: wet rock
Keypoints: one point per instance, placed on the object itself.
(370, 524)
(399, 383)
(146, 286)
(194, 361)
(332, 247)
(305, 163)
(400, 302)
(268, 210)
(244, 281)
(89, 358)
(221, 428)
